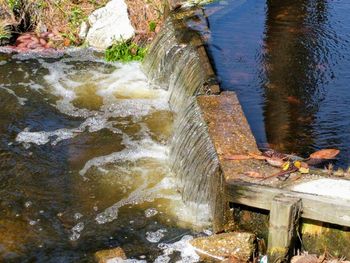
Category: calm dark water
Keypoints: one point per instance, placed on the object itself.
(289, 63)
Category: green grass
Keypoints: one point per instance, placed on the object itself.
(125, 51)
(4, 32)
(152, 26)
(14, 4)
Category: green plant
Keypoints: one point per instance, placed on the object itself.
(152, 26)
(4, 32)
(76, 16)
(125, 51)
(14, 4)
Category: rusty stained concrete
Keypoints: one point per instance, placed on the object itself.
(231, 135)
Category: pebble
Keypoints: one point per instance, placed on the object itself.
(42, 41)
(32, 42)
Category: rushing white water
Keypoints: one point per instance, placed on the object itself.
(98, 138)
(176, 64)
(112, 98)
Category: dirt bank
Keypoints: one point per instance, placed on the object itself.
(63, 19)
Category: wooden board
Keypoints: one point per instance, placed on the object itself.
(320, 208)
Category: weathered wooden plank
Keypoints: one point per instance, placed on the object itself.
(284, 220)
(320, 208)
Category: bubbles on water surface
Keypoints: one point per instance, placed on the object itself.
(155, 237)
(20, 100)
(77, 216)
(187, 251)
(151, 212)
(76, 231)
(28, 204)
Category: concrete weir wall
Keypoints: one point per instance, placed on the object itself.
(238, 197)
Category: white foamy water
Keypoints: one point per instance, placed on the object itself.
(123, 91)
(156, 236)
(135, 150)
(187, 251)
(20, 100)
(128, 168)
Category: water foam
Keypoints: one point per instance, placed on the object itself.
(135, 150)
(21, 101)
(124, 90)
(187, 251)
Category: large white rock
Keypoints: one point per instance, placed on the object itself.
(108, 24)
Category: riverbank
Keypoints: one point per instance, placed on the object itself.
(62, 24)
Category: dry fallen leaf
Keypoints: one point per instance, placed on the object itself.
(257, 156)
(66, 42)
(277, 162)
(325, 154)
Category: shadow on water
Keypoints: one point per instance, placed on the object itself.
(288, 62)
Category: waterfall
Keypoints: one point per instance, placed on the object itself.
(193, 156)
(174, 63)
(177, 61)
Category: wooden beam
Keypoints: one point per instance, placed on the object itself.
(283, 227)
(319, 208)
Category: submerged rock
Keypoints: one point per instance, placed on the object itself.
(108, 24)
(103, 256)
(224, 246)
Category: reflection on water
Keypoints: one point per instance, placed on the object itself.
(288, 61)
(83, 163)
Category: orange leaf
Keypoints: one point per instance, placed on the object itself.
(66, 42)
(238, 157)
(325, 154)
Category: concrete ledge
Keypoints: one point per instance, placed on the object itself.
(231, 134)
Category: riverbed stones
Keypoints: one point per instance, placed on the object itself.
(108, 24)
(239, 245)
(104, 256)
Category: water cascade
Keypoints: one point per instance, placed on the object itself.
(177, 62)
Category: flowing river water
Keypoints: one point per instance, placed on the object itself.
(289, 63)
(84, 163)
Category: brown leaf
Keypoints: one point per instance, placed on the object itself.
(253, 174)
(293, 100)
(257, 156)
(238, 157)
(277, 162)
(325, 154)
(274, 154)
